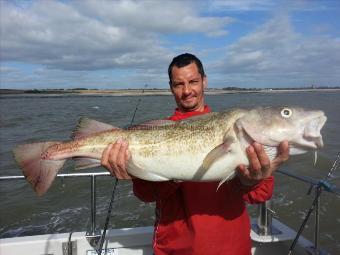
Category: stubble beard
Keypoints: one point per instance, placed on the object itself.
(190, 106)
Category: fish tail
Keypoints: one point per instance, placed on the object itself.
(37, 171)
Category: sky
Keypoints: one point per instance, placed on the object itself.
(129, 44)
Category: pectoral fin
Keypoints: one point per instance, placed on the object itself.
(315, 157)
(217, 152)
(228, 177)
(213, 156)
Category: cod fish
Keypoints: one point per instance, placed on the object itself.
(208, 147)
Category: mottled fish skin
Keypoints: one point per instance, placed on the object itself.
(203, 148)
(171, 140)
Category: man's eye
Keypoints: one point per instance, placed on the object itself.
(177, 84)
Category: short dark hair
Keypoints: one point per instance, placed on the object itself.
(184, 60)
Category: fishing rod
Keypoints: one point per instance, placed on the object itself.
(108, 215)
(323, 184)
(138, 102)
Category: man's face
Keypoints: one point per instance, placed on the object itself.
(188, 88)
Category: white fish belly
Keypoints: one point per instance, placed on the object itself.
(187, 166)
(161, 168)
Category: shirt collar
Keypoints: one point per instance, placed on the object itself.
(178, 115)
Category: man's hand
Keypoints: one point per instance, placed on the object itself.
(260, 167)
(115, 157)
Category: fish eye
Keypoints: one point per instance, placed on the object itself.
(286, 112)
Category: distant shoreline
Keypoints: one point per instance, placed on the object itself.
(151, 92)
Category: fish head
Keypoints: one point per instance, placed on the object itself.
(272, 125)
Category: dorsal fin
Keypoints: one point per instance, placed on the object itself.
(86, 127)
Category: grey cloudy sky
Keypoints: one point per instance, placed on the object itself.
(126, 44)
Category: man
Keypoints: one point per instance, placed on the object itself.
(194, 217)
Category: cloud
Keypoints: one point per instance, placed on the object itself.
(7, 70)
(270, 5)
(154, 16)
(129, 43)
(244, 5)
(276, 55)
(97, 35)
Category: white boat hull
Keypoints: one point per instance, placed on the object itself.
(132, 241)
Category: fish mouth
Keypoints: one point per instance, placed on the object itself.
(310, 142)
(311, 138)
(311, 135)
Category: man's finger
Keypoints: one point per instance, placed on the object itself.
(282, 156)
(254, 163)
(245, 176)
(127, 157)
(262, 157)
(113, 155)
(118, 160)
(284, 151)
(121, 157)
(105, 156)
(243, 170)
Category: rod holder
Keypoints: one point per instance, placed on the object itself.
(93, 236)
(264, 219)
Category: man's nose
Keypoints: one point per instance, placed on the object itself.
(186, 89)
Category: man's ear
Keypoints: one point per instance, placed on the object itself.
(171, 88)
(205, 82)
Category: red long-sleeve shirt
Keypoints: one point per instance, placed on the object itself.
(196, 218)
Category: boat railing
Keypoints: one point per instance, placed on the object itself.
(263, 225)
(265, 212)
(92, 232)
